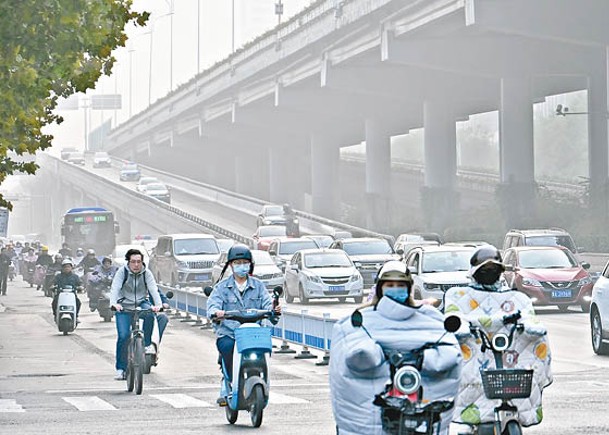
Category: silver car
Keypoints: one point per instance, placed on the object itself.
(322, 274)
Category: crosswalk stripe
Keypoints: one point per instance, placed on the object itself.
(10, 405)
(181, 401)
(282, 399)
(89, 403)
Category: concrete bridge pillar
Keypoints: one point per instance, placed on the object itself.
(279, 176)
(439, 196)
(598, 143)
(378, 171)
(324, 175)
(517, 157)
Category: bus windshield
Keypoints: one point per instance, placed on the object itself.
(90, 230)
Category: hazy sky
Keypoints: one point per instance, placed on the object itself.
(252, 18)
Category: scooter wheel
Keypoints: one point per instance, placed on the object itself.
(512, 428)
(231, 415)
(257, 405)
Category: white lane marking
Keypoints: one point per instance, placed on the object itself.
(10, 405)
(282, 399)
(181, 401)
(277, 384)
(89, 403)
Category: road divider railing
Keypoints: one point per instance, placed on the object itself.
(252, 206)
(294, 327)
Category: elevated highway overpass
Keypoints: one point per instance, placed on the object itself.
(269, 121)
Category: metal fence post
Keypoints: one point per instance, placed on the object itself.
(176, 313)
(188, 318)
(198, 321)
(326, 358)
(285, 347)
(304, 353)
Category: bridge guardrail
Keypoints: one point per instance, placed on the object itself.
(214, 228)
(252, 206)
(300, 328)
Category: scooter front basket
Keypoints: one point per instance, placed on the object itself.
(507, 383)
(253, 338)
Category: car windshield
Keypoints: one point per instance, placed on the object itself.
(262, 258)
(446, 261)
(326, 259)
(155, 186)
(271, 231)
(275, 210)
(369, 247)
(564, 241)
(546, 259)
(289, 247)
(195, 247)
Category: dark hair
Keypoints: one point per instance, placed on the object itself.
(131, 252)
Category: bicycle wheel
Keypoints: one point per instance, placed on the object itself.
(138, 364)
(130, 377)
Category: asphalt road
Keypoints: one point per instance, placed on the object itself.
(58, 384)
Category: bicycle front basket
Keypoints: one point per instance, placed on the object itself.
(507, 383)
(253, 338)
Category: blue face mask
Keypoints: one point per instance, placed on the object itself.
(398, 294)
(241, 270)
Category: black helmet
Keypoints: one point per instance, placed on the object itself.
(239, 252)
(484, 255)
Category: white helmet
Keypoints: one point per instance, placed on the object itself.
(394, 270)
(67, 261)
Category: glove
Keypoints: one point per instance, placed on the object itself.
(274, 320)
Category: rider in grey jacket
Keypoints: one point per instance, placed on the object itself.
(358, 367)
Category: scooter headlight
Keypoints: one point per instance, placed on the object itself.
(500, 342)
(252, 356)
(407, 380)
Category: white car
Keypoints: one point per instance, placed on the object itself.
(141, 185)
(435, 269)
(118, 255)
(405, 242)
(265, 269)
(599, 313)
(322, 274)
(101, 159)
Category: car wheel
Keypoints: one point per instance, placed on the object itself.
(342, 300)
(585, 307)
(596, 329)
(563, 308)
(301, 295)
(286, 293)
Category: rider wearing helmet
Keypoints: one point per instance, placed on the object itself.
(89, 261)
(66, 279)
(102, 275)
(240, 291)
(485, 303)
(359, 370)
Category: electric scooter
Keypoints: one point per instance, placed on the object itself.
(249, 389)
(65, 316)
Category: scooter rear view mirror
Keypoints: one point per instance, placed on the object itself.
(169, 295)
(357, 320)
(452, 323)
(207, 290)
(278, 291)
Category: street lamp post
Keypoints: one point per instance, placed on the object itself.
(170, 4)
(279, 11)
(233, 27)
(131, 50)
(198, 36)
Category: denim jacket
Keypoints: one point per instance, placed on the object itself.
(226, 297)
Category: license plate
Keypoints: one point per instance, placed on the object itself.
(337, 288)
(561, 293)
(202, 277)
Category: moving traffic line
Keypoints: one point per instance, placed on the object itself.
(10, 405)
(282, 399)
(181, 401)
(90, 403)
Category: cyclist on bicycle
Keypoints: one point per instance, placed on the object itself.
(130, 289)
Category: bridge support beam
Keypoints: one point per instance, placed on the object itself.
(598, 141)
(378, 171)
(324, 175)
(517, 190)
(279, 176)
(439, 197)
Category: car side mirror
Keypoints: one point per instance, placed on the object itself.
(273, 252)
(585, 265)
(294, 267)
(399, 251)
(207, 290)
